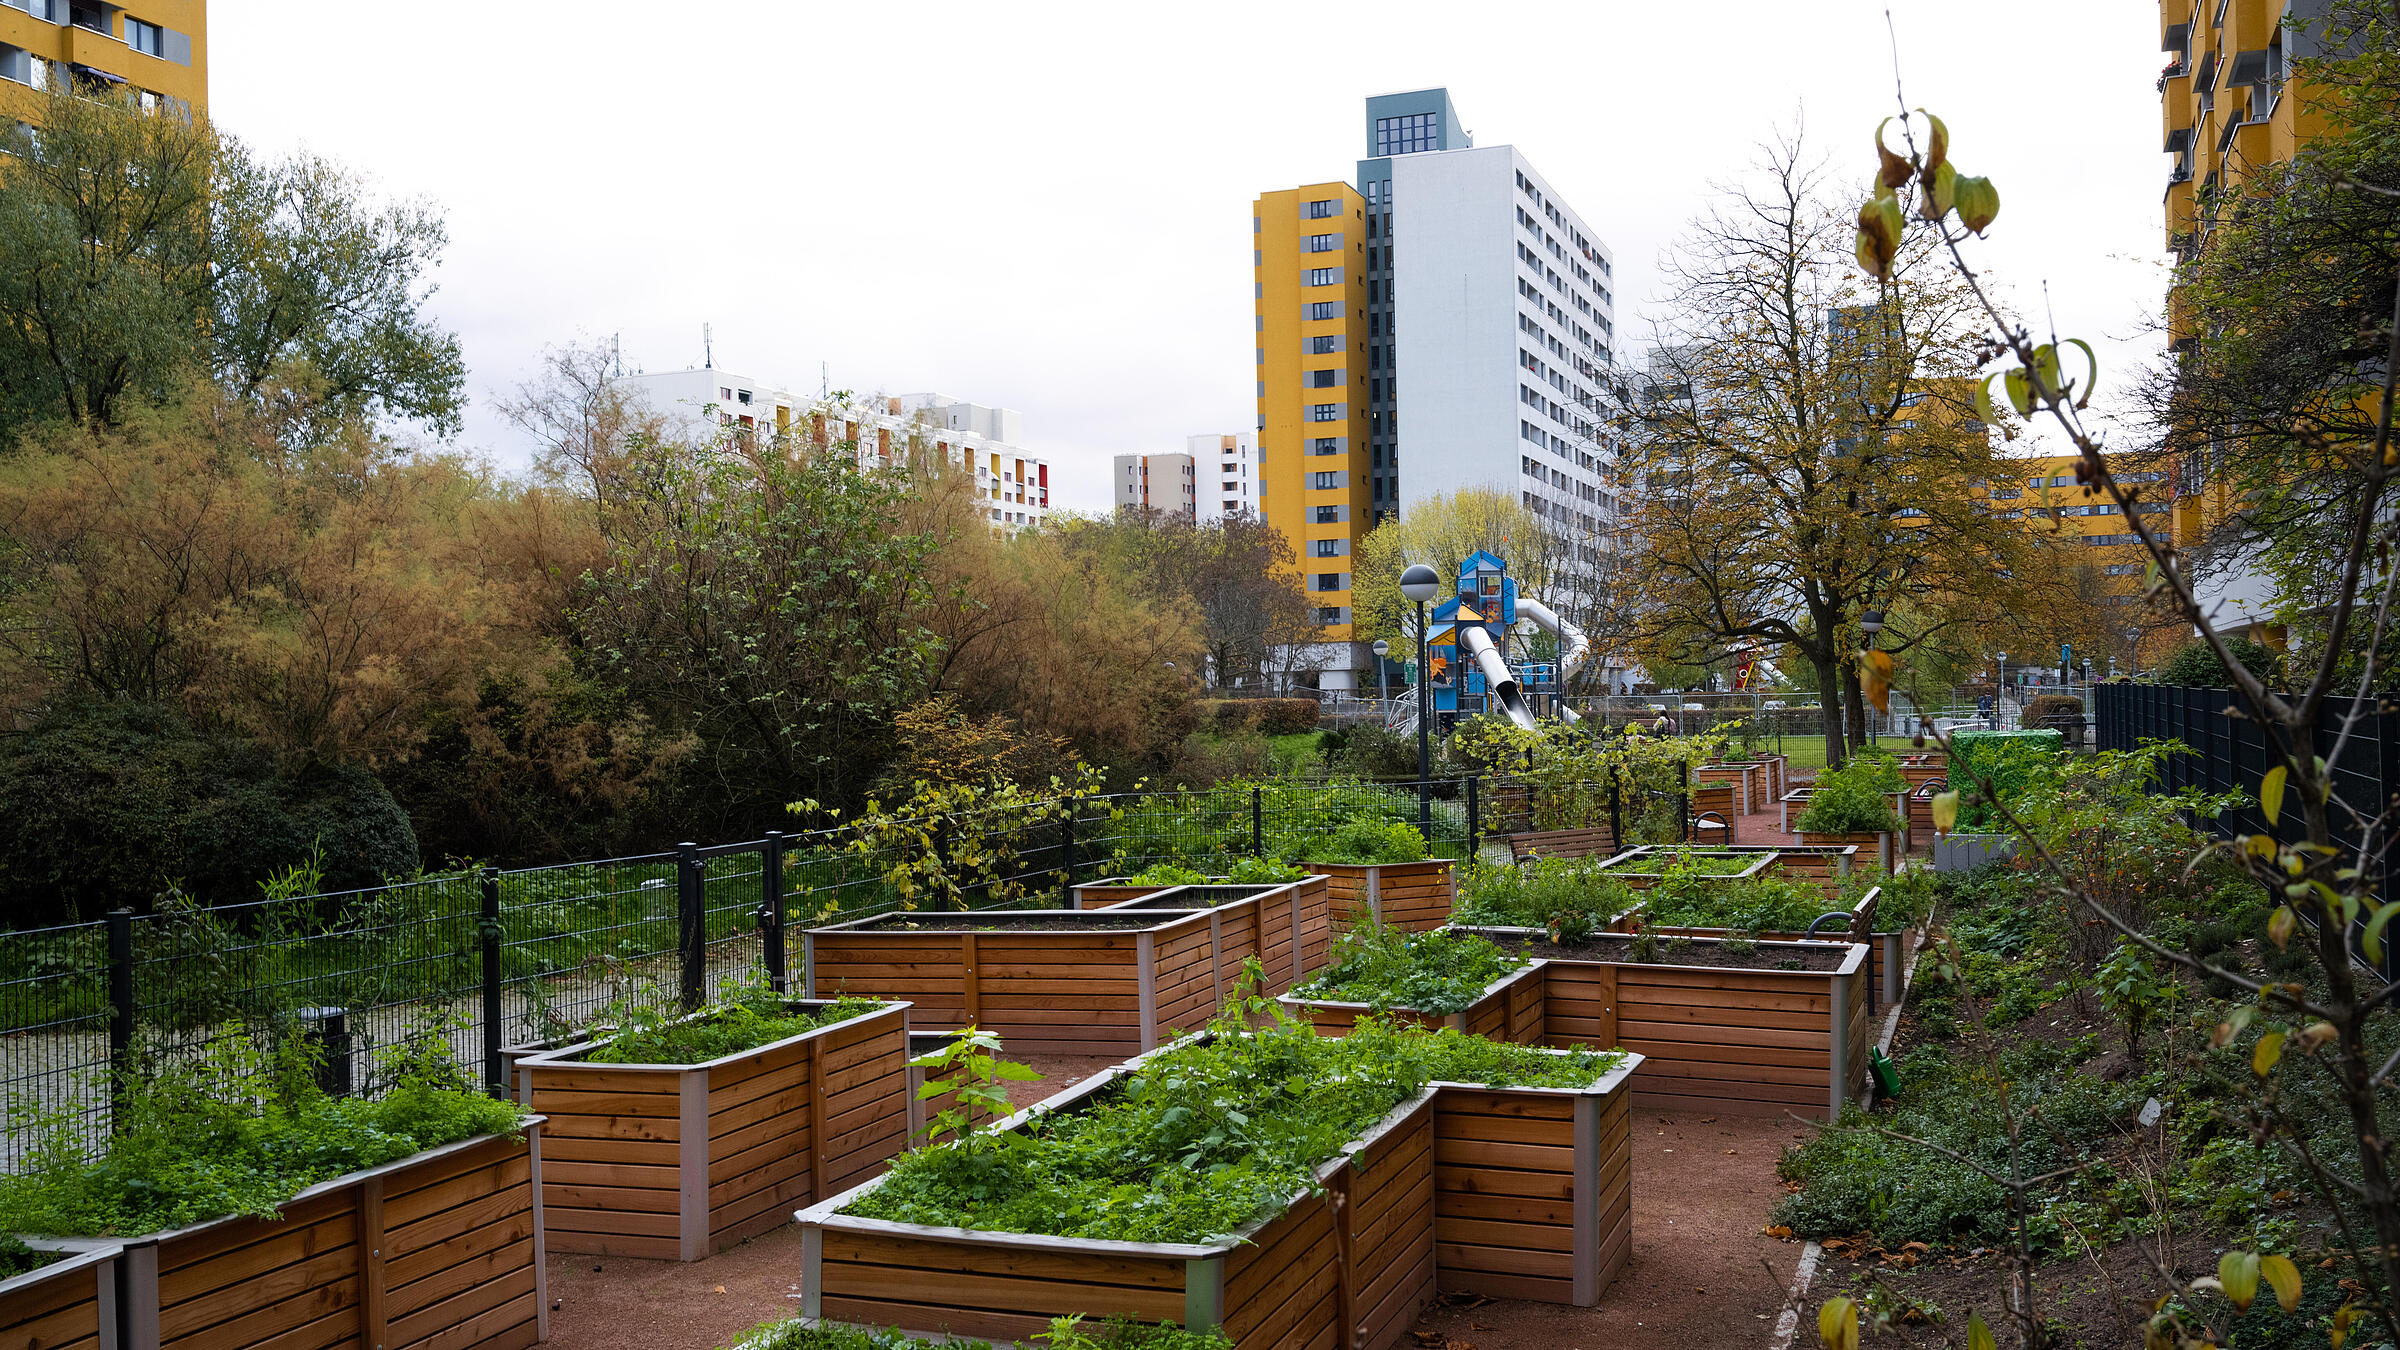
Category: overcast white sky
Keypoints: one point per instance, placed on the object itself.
(1046, 206)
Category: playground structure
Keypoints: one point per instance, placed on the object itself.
(1467, 642)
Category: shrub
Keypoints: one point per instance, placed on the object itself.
(1169, 874)
(105, 805)
(1768, 904)
(1530, 894)
(1266, 872)
(1371, 751)
(1443, 971)
(2193, 665)
(661, 1034)
(1853, 799)
(1229, 716)
(2052, 712)
(2011, 759)
(1286, 716)
(1364, 842)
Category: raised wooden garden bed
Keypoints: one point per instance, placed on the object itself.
(1887, 951)
(441, 1250)
(1511, 1192)
(676, 1161)
(1750, 1040)
(1644, 867)
(1509, 1009)
(1293, 919)
(1598, 841)
(1417, 896)
(1826, 865)
(1930, 767)
(70, 1304)
(1108, 982)
(1111, 890)
(1716, 799)
(1888, 846)
(1794, 802)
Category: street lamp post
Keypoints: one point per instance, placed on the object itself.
(1381, 648)
(1870, 622)
(1420, 584)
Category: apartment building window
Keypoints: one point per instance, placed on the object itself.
(1322, 346)
(146, 38)
(1407, 135)
(1327, 515)
(93, 17)
(1326, 445)
(1324, 210)
(1325, 478)
(1324, 276)
(1321, 243)
(1325, 309)
(20, 65)
(2122, 569)
(1327, 581)
(1329, 614)
(1324, 412)
(1324, 379)
(1324, 548)
(2106, 540)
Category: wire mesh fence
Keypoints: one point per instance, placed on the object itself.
(490, 957)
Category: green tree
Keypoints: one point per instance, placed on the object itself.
(139, 252)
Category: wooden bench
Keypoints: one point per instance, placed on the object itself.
(1599, 841)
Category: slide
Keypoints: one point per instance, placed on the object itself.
(1498, 682)
(1575, 647)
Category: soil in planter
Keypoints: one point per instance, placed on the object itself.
(1072, 921)
(1689, 952)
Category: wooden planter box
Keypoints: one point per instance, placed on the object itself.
(1511, 1192)
(1057, 981)
(1644, 867)
(1887, 951)
(1111, 890)
(70, 1304)
(1750, 1041)
(1920, 808)
(1292, 917)
(1932, 767)
(1509, 1009)
(1827, 865)
(1717, 797)
(441, 1250)
(1889, 846)
(675, 1161)
(1749, 783)
(1417, 896)
(1795, 802)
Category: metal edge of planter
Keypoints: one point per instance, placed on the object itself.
(1851, 961)
(557, 1058)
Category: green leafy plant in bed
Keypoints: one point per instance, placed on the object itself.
(661, 1034)
(1169, 874)
(1442, 971)
(1687, 862)
(1206, 1136)
(17, 1259)
(238, 1128)
(1065, 1333)
(1527, 895)
(1855, 798)
(1362, 843)
(1764, 904)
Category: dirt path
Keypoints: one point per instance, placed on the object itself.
(1701, 1271)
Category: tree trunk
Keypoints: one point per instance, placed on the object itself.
(1829, 698)
(1854, 707)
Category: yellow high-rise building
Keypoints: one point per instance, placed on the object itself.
(155, 49)
(1309, 262)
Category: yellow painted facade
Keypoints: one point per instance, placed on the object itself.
(1309, 261)
(106, 38)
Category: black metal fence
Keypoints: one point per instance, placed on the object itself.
(2230, 754)
(489, 957)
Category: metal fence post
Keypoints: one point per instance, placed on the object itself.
(691, 927)
(120, 1011)
(1474, 818)
(1258, 823)
(495, 1078)
(1683, 805)
(770, 909)
(947, 898)
(1066, 846)
(1616, 813)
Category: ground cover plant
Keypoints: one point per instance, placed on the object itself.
(1247, 871)
(1762, 904)
(1441, 971)
(1686, 862)
(236, 1129)
(662, 1033)
(1066, 1333)
(1527, 894)
(1855, 798)
(1205, 1137)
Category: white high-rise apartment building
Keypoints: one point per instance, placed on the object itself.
(1013, 485)
(1162, 483)
(1216, 476)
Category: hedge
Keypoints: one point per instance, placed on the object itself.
(2009, 758)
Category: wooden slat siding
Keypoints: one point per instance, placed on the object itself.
(1347, 891)
(996, 1292)
(1735, 776)
(1183, 980)
(1391, 1219)
(1611, 1204)
(1316, 926)
(615, 1185)
(69, 1304)
(1277, 1286)
(1524, 999)
(1579, 1004)
(1530, 1254)
(1597, 842)
(1102, 894)
(221, 1287)
(469, 1274)
(1419, 896)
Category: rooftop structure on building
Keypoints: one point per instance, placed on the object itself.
(1013, 483)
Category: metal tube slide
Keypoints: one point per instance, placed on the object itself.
(1496, 677)
(1577, 648)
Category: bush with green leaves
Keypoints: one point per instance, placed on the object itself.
(17, 1259)
(1763, 904)
(660, 1033)
(238, 1128)
(1443, 971)
(1855, 798)
(1529, 894)
(1169, 874)
(1205, 1137)
(2193, 665)
(1686, 862)
(2012, 760)
(1065, 1333)
(1856, 1181)
(1361, 843)
(1265, 872)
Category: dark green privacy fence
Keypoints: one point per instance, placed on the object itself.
(493, 956)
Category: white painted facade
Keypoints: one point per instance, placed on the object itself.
(1159, 482)
(1013, 484)
(1505, 333)
(1226, 467)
